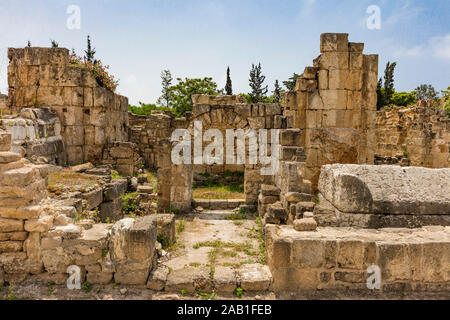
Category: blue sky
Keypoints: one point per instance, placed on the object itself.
(197, 38)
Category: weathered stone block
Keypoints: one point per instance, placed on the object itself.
(255, 277)
(330, 42)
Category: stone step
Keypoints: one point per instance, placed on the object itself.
(218, 215)
(20, 177)
(7, 157)
(13, 165)
(218, 204)
(222, 280)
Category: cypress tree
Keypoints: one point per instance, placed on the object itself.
(256, 82)
(90, 52)
(228, 86)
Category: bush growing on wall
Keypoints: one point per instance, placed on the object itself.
(145, 109)
(104, 79)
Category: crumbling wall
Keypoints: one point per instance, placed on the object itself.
(37, 134)
(419, 135)
(22, 219)
(124, 157)
(334, 102)
(146, 131)
(238, 116)
(91, 116)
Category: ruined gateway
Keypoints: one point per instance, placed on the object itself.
(345, 199)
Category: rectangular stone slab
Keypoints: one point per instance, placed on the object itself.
(386, 189)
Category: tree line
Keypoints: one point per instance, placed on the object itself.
(388, 97)
(177, 97)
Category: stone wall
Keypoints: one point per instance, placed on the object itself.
(146, 131)
(22, 219)
(419, 134)
(334, 102)
(36, 133)
(124, 157)
(91, 116)
(238, 116)
(338, 259)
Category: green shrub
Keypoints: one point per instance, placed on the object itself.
(146, 109)
(104, 79)
(403, 99)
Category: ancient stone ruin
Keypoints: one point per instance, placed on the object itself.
(356, 191)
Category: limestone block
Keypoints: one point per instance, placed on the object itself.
(10, 225)
(272, 109)
(32, 246)
(362, 189)
(334, 99)
(334, 42)
(305, 224)
(323, 80)
(41, 225)
(269, 190)
(225, 280)
(114, 189)
(257, 123)
(23, 213)
(93, 198)
(166, 226)
(305, 85)
(255, 277)
(10, 246)
(5, 141)
(290, 137)
(13, 236)
(309, 73)
(356, 60)
(333, 60)
(355, 47)
(7, 157)
(189, 279)
(111, 210)
(132, 249)
(99, 277)
(157, 279)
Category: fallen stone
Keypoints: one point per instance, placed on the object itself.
(255, 277)
(132, 249)
(82, 167)
(157, 279)
(305, 224)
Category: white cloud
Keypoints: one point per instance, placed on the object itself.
(440, 46)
